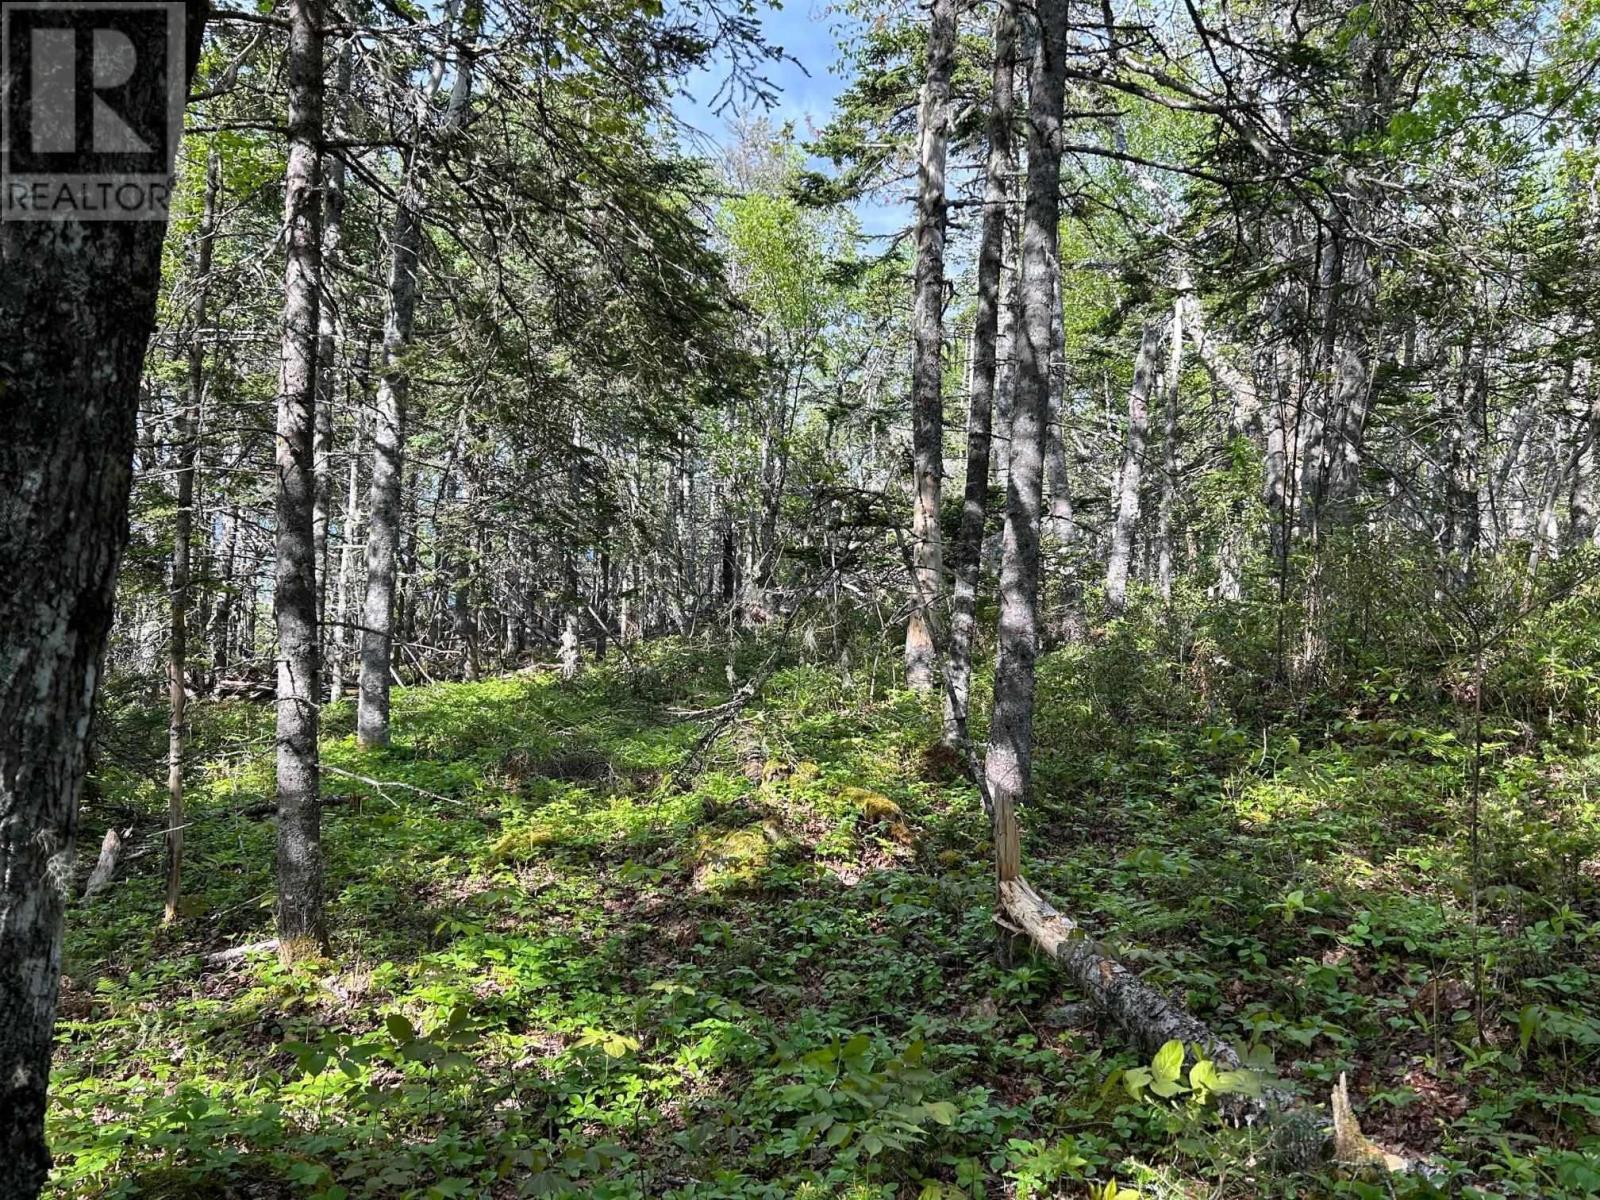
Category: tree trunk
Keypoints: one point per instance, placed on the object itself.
(76, 311)
(927, 403)
(1005, 382)
(1584, 500)
(1058, 522)
(383, 502)
(182, 538)
(294, 600)
(571, 653)
(389, 426)
(1009, 761)
(347, 558)
(1169, 459)
(991, 252)
(1127, 517)
(327, 358)
(222, 621)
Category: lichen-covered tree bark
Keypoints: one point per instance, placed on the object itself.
(1010, 757)
(927, 402)
(991, 247)
(294, 597)
(1127, 518)
(77, 306)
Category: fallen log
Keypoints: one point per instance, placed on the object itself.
(223, 957)
(258, 690)
(1300, 1136)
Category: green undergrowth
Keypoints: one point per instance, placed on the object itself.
(569, 961)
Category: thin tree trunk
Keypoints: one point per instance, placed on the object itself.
(1584, 500)
(182, 539)
(991, 251)
(1169, 459)
(389, 426)
(1058, 521)
(571, 643)
(76, 312)
(1127, 517)
(383, 503)
(1005, 384)
(1009, 761)
(347, 558)
(333, 200)
(294, 601)
(221, 641)
(927, 404)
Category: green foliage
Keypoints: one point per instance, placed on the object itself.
(566, 967)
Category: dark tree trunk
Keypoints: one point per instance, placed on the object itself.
(991, 250)
(1009, 760)
(294, 597)
(927, 404)
(76, 311)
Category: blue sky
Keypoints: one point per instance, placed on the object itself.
(807, 87)
(807, 81)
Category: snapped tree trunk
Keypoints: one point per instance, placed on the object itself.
(1127, 517)
(76, 312)
(294, 599)
(991, 250)
(927, 402)
(1010, 757)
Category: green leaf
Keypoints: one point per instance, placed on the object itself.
(400, 1029)
(1168, 1062)
(942, 1111)
(1135, 1080)
(1528, 1022)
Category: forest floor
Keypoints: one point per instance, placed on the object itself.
(565, 962)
